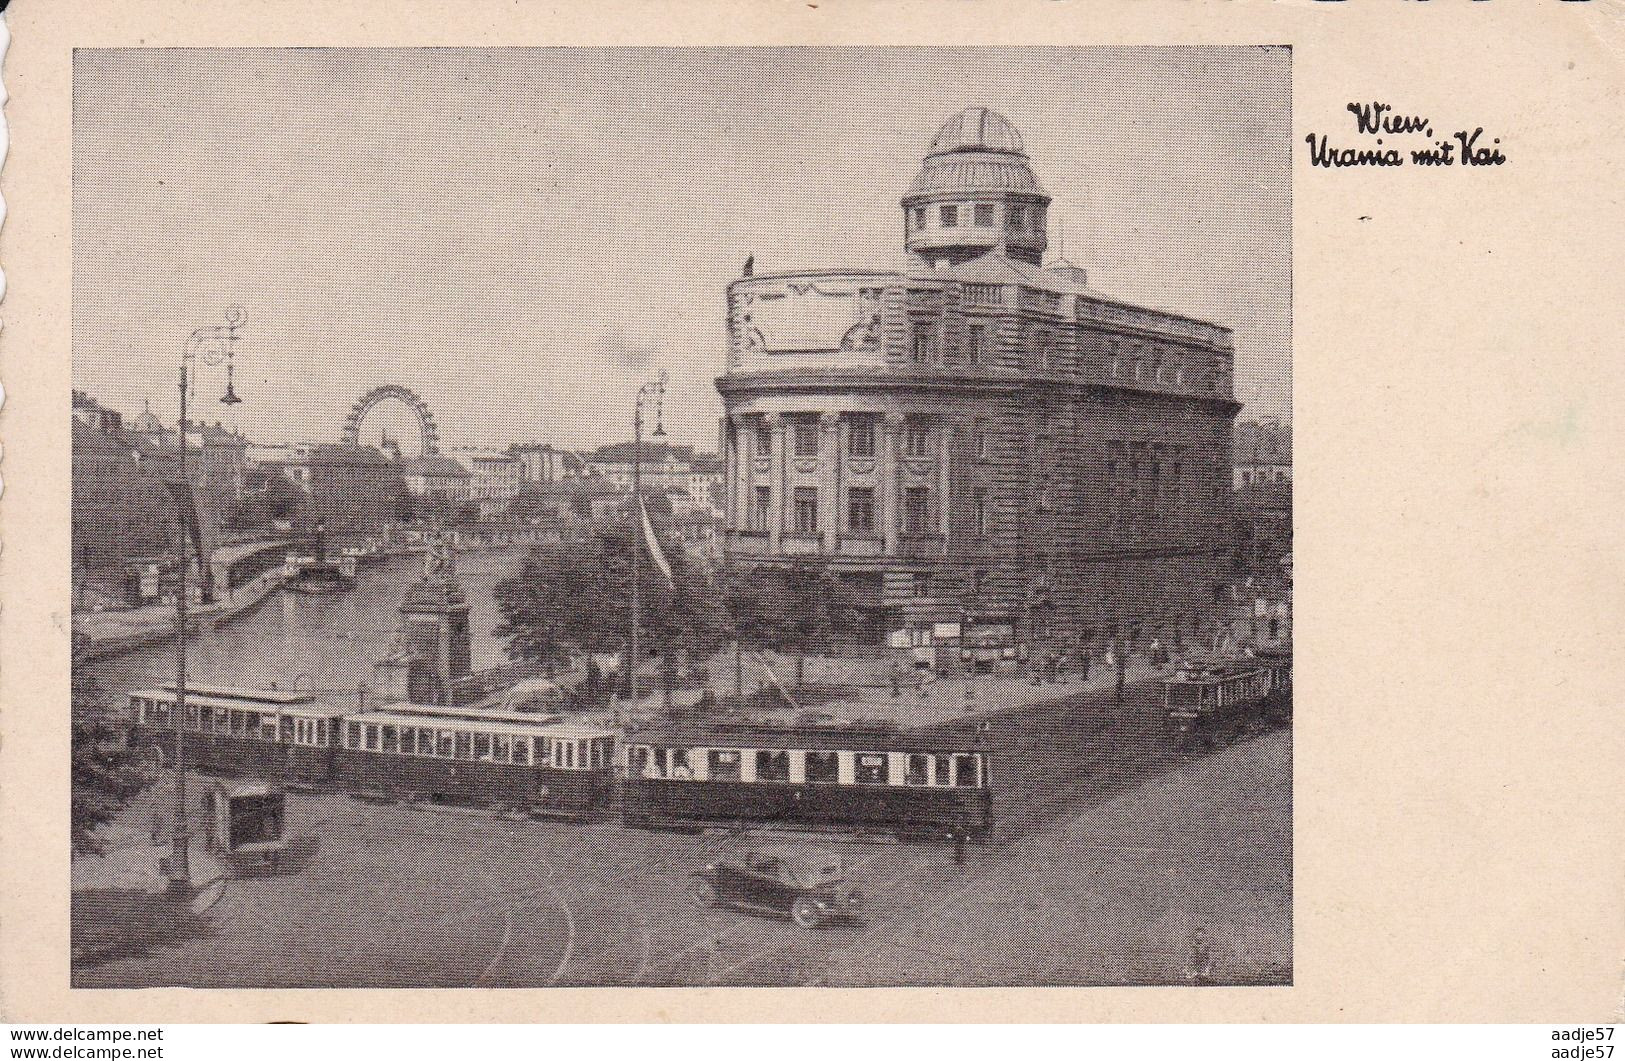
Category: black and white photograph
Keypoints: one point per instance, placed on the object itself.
(812, 517)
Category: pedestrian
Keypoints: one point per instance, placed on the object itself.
(1083, 664)
(959, 847)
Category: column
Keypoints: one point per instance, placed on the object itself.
(775, 507)
(890, 428)
(744, 465)
(829, 478)
(943, 512)
(730, 472)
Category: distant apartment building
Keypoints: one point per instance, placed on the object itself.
(121, 509)
(1263, 452)
(433, 475)
(493, 478)
(542, 463)
(664, 466)
(351, 489)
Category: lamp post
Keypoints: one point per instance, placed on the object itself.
(653, 391)
(211, 344)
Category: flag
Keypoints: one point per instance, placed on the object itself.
(655, 552)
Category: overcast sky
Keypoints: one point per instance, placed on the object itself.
(523, 235)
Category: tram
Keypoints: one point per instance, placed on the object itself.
(1217, 701)
(807, 777)
(241, 732)
(542, 766)
(539, 763)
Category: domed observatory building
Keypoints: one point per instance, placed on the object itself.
(995, 456)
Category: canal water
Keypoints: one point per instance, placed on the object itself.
(327, 642)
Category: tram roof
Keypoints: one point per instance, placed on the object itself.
(243, 692)
(528, 728)
(306, 708)
(488, 714)
(803, 738)
(1215, 673)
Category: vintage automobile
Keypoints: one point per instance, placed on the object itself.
(809, 887)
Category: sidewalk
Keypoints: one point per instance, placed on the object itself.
(111, 632)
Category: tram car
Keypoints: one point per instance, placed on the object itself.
(1211, 703)
(910, 785)
(534, 763)
(285, 734)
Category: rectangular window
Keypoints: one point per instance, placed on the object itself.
(1016, 218)
(758, 511)
(949, 215)
(976, 344)
(917, 442)
(806, 509)
(446, 744)
(919, 770)
(984, 214)
(390, 744)
(482, 746)
(805, 435)
(724, 765)
(942, 769)
(916, 509)
(772, 766)
(424, 742)
(372, 738)
(764, 441)
(919, 218)
(823, 768)
(290, 728)
(925, 345)
(870, 769)
(922, 588)
(465, 746)
(521, 750)
(860, 438)
(1038, 219)
(965, 771)
(501, 747)
(860, 509)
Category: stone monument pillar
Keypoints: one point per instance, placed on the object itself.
(432, 650)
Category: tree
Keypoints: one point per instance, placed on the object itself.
(577, 596)
(106, 772)
(794, 610)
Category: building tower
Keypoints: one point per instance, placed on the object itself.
(976, 193)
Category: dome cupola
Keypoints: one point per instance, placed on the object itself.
(976, 192)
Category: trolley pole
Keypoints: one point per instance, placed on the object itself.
(213, 344)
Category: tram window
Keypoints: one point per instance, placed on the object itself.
(544, 750)
(353, 740)
(192, 717)
(501, 747)
(372, 738)
(965, 769)
(942, 769)
(289, 725)
(222, 720)
(425, 742)
(823, 768)
(521, 750)
(772, 766)
(725, 765)
(870, 770)
(919, 770)
(680, 769)
(482, 746)
(268, 728)
(465, 746)
(444, 749)
(239, 723)
(637, 761)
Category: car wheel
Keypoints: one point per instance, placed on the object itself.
(805, 913)
(702, 891)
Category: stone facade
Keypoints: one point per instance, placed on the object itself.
(979, 438)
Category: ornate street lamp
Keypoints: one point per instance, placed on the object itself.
(212, 345)
(654, 391)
